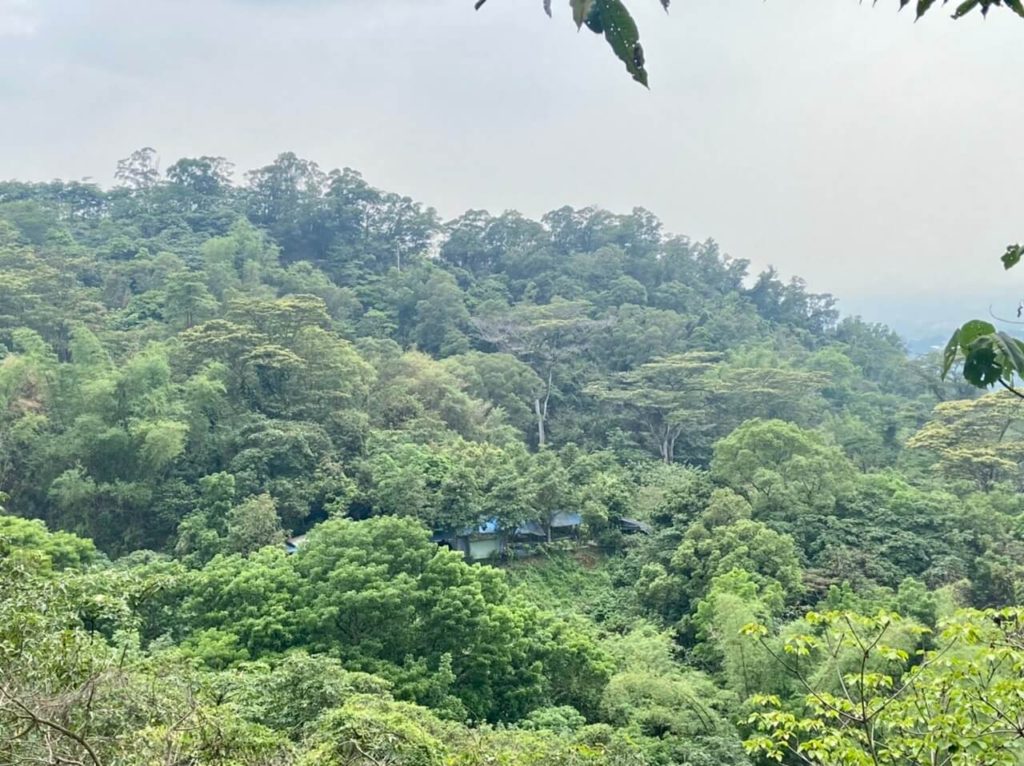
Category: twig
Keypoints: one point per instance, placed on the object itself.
(1011, 389)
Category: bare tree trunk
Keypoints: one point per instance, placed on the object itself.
(541, 415)
(667, 443)
(540, 407)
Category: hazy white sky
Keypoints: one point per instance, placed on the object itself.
(878, 158)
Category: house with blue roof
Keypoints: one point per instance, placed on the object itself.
(489, 540)
(478, 543)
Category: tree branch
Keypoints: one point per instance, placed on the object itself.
(1011, 389)
(39, 720)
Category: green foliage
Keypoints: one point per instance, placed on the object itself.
(790, 476)
(52, 550)
(571, 584)
(877, 700)
(383, 598)
(370, 730)
(990, 357)
(977, 440)
(190, 368)
(709, 550)
(668, 395)
(253, 524)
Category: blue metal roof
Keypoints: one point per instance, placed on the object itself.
(489, 527)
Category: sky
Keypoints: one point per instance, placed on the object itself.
(875, 157)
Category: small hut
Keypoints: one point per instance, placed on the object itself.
(634, 527)
(477, 543)
(563, 525)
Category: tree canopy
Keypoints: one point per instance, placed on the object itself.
(295, 472)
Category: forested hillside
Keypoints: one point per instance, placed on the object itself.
(244, 424)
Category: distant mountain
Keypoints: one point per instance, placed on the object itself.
(926, 321)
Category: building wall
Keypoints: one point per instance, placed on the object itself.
(483, 549)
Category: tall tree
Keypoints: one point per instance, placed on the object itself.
(543, 337)
(667, 395)
(980, 440)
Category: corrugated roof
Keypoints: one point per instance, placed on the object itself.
(532, 528)
(565, 519)
(636, 524)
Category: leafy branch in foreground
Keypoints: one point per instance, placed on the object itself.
(612, 19)
(990, 357)
(872, 697)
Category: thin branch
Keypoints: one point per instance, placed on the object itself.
(803, 682)
(53, 725)
(1011, 389)
(998, 318)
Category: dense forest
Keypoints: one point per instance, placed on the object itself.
(295, 472)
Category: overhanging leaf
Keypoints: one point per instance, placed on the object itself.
(1012, 351)
(580, 10)
(981, 368)
(949, 355)
(612, 18)
(1013, 253)
(965, 7)
(973, 330)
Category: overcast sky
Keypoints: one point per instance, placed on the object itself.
(878, 158)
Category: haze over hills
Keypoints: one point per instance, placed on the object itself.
(927, 321)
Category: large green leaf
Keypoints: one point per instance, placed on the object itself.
(973, 330)
(982, 364)
(611, 18)
(981, 367)
(922, 7)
